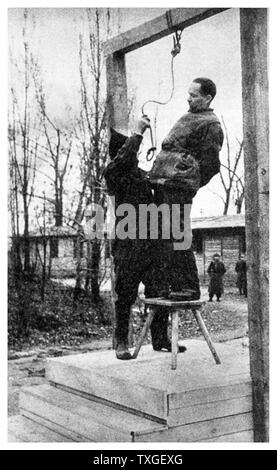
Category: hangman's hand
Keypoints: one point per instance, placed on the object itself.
(142, 124)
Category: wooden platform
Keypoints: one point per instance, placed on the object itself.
(95, 397)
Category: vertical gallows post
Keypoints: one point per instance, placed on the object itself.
(117, 117)
(253, 24)
(117, 104)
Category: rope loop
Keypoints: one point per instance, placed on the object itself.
(176, 43)
(174, 52)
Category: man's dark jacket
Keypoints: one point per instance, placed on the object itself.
(189, 156)
(127, 182)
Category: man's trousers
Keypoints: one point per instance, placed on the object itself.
(138, 261)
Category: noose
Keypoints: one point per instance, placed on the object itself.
(174, 52)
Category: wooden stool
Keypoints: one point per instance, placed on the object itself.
(173, 305)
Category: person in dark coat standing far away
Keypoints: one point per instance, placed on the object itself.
(216, 271)
(241, 270)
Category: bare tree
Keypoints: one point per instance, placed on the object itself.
(91, 132)
(239, 195)
(58, 146)
(14, 198)
(42, 224)
(230, 180)
(23, 147)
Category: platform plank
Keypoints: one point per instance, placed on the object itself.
(200, 431)
(116, 389)
(240, 387)
(12, 437)
(88, 420)
(71, 436)
(23, 429)
(207, 411)
(244, 436)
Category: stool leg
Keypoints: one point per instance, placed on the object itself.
(131, 330)
(144, 331)
(174, 339)
(206, 335)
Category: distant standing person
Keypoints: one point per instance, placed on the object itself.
(241, 269)
(216, 271)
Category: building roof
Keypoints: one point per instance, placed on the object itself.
(198, 223)
(221, 221)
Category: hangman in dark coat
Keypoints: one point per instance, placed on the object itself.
(135, 259)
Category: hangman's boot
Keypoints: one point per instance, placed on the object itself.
(122, 352)
(165, 345)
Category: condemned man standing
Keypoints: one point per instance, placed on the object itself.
(189, 158)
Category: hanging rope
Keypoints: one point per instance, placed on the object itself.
(174, 52)
(171, 94)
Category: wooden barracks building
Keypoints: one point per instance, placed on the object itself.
(218, 234)
(221, 234)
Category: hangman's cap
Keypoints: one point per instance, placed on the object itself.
(116, 142)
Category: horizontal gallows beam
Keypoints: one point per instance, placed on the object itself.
(159, 27)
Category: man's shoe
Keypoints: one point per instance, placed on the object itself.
(122, 352)
(184, 295)
(164, 294)
(166, 346)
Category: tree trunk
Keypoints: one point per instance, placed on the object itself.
(94, 275)
(58, 217)
(239, 206)
(15, 255)
(227, 202)
(77, 289)
(58, 204)
(26, 239)
(43, 277)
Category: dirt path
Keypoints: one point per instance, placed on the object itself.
(28, 368)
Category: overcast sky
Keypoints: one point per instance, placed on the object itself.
(210, 48)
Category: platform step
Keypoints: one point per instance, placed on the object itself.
(79, 418)
(244, 436)
(207, 411)
(93, 397)
(217, 429)
(54, 415)
(196, 381)
(23, 429)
